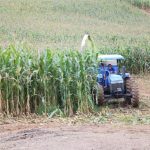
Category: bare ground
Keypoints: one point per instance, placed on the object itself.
(81, 137)
(55, 134)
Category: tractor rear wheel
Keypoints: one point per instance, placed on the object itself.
(131, 88)
(98, 95)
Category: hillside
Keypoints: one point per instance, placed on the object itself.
(62, 23)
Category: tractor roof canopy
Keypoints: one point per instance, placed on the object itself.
(110, 57)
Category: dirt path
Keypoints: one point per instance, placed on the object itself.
(81, 137)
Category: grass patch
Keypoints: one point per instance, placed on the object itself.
(61, 24)
(119, 115)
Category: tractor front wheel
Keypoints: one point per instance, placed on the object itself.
(131, 88)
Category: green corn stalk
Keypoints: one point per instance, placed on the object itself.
(31, 82)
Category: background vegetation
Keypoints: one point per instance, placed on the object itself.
(62, 23)
(141, 3)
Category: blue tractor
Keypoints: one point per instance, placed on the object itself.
(113, 82)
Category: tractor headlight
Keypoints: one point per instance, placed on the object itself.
(127, 74)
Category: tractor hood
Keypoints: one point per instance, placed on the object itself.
(114, 78)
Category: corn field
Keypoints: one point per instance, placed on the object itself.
(32, 82)
(40, 83)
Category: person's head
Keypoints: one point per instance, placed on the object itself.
(109, 66)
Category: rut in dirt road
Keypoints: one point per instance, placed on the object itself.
(78, 138)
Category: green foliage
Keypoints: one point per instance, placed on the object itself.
(32, 82)
(141, 3)
(56, 80)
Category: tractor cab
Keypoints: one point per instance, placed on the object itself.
(110, 78)
(108, 70)
(109, 63)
